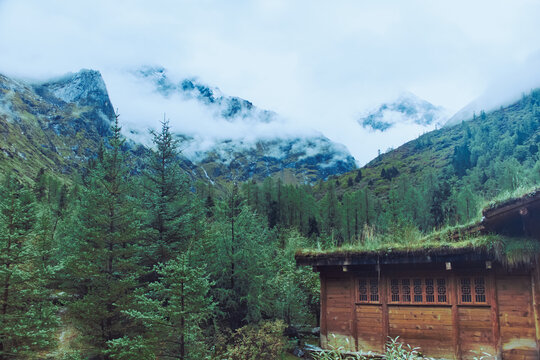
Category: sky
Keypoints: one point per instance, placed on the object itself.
(317, 63)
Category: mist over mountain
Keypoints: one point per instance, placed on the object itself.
(407, 109)
(507, 88)
(221, 137)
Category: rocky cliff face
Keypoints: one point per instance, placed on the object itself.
(44, 126)
(60, 123)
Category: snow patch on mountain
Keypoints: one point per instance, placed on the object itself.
(220, 129)
(407, 109)
(83, 86)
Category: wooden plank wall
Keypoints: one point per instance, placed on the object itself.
(338, 313)
(369, 327)
(475, 332)
(427, 327)
(516, 318)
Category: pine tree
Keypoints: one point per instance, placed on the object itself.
(102, 268)
(27, 316)
(174, 310)
(175, 215)
(240, 245)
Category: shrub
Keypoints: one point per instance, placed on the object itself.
(257, 342)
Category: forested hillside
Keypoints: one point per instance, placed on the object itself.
(117, 264)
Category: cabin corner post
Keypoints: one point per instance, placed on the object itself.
(324, 328)
(354, 325)
(496, 327)
(455, 315)
(535, 282)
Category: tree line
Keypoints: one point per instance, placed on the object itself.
(140, 266)
(152, 265)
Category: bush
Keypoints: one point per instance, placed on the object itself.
(264, 341)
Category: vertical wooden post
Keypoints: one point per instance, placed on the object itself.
(354, 330)
(494, 305)
(383, 294)
(455, 314)
(324, 329)
(535, 281)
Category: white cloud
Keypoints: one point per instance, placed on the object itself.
(316, 62)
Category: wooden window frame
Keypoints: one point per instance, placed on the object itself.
(420, 289)
(475, 289)
(369, 282)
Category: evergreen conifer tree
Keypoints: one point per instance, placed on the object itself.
(27, 316)
(105, 233)
(174, 311)
(175, 213)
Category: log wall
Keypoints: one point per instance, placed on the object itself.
(508, 326)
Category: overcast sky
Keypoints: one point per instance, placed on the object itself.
(318, 63)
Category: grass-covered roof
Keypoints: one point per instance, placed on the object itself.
(473, 238)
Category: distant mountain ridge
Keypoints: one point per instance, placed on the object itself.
(229, 107)
(304, 158)
(58, 124)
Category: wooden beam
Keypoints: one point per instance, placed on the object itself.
(354, 330)
(495, 322)
(453, 280)
(383, 294)
(535, 281)
(324, 310)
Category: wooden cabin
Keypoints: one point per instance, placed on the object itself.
(463, 294)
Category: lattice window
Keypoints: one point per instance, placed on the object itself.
(362, 290)
(394, 290)
(465, 286)
(368, 291)
(418, 291)
(374, 290)
(430, 291)
(441, 291)
(406, 290)
(479, 290)
(472, 290)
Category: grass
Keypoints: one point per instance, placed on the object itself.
(509, 196)
(510, 251)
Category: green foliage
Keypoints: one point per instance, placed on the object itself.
(27, 316)
(396, 350)
(102, 268)
(257, 342)
(173, 310)
(126, 348)
(173, 209)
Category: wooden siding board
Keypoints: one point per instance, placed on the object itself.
(369, 327)
(429, 329)
(516, 317)
(475, 332)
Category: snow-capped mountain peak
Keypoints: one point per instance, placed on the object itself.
(230, 108)
(406, 109)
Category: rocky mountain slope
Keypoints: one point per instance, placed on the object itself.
(59, 124)
(492, 151)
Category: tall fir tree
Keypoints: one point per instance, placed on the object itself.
(175, 212)
(174, 311)
(27, 316)
(105, 233)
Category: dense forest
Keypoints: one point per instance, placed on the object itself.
(121, 264)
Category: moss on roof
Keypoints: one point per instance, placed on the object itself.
(509, 197)
(510, 251)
